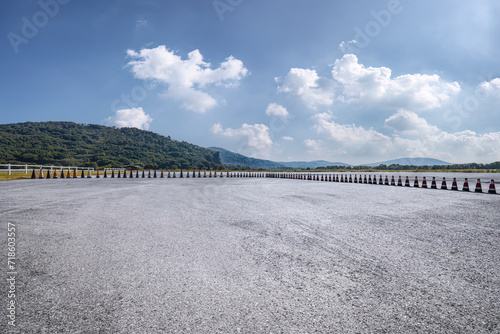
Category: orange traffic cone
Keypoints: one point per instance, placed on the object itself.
(369, 179)
(154, 174)
(62, 174)
(74, 174)
(365, 181)
(98, 176)
(54, 176)
(350, 178)
(393, 181)
(143, 174)
(149, 174)
(443, 184)
(187, 173)
(161, 175)
(492, 189)
(466, 185)
(48, 174)
(433, 184)
(386, 182)
(407, 182)
(479, 189)
(119, 174)
(415, 184)
(182, 174)
(137, 174)
(33, 174)
(168, 175)
(400, 182)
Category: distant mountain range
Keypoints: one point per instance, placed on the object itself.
(232, 159)
(410, 162)
(311, 164)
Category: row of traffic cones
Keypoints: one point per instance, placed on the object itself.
(69, 174)
(130, 174)
(382, 181)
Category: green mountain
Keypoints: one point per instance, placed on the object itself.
(67, 143)
(234, 160)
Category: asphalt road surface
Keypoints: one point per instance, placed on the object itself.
(250, 255)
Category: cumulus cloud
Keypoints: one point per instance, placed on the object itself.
(312, 145)
(374, 86)
(274, 109)
(408, 123)
(490, 87)
(351, 138)
(351, 141)
(287, 138)
(252, 139)
(186, 78)
(310, 88)
(131, 118)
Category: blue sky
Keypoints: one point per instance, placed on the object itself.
(351, 81)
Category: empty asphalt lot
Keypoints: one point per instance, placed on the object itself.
(249, 255)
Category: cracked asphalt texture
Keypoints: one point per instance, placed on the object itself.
(251, 255)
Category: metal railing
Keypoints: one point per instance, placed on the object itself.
(28, 168)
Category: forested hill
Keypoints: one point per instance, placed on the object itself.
(232, 159)
(67, 143)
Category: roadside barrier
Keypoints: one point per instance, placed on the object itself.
(478, 189)
(343, 178)
(466, 185)
(443, 184)
(492, 189)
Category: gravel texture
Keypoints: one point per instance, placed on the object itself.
(251, 255)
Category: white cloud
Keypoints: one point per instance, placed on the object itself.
(185, 78)
(253, 139)
(287, 138)
(490, 87)
(141, 23)
(368, 145)
(352, 139)
(408, 123)
(274, 109)
(311, 89)
(312, 145)
(374, 86)
(347, 46)
(131, 118)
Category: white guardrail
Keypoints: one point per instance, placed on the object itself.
(28, 168)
